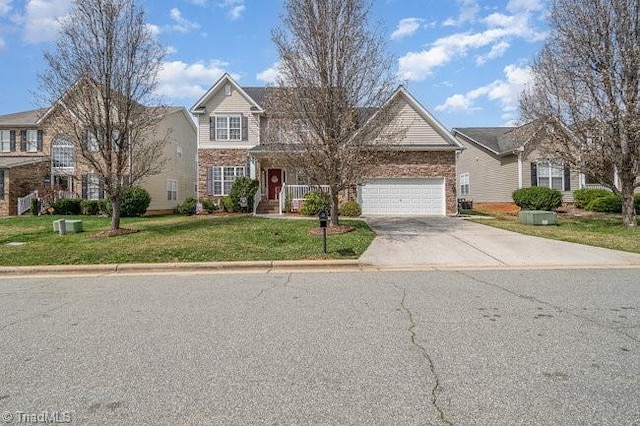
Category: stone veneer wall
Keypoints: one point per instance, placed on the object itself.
(217, 157)
(422, 164)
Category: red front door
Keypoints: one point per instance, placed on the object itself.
(274, 179)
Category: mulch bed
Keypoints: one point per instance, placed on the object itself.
(332, 230)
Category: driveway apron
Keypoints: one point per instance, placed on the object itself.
(430, 241)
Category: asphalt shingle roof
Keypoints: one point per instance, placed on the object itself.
(23, 118)
(497, 139)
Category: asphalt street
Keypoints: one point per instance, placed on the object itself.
(502, 347)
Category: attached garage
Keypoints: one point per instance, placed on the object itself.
(408, 196)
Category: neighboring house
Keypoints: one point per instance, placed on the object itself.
(497, 161)
(232, 142)
(33, 157)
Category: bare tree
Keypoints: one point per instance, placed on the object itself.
(334, 77)
(585, 99)
(100, 78)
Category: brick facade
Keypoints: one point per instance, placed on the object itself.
(20, 181)
(422, 164)
(217, 157)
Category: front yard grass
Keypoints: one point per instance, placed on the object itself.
(175, 239)
(595, 230)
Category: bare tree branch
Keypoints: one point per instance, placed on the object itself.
(335, 76)
(100, 78)
(585, 97)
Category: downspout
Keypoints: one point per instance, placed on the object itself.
(520, 168)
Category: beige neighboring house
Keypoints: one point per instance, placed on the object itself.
(232, 142)
(497, 162)
(33, 157)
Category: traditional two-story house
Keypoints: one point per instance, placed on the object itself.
(33, 156)
(232, 124)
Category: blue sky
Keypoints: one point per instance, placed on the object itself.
(466, 61)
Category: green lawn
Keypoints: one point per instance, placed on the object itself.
(601, 231)
(175, 239)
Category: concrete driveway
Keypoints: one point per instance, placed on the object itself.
(432, 242)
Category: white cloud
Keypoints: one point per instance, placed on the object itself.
(468, 11)
(406, 27)
(153, 29)
(525, 5)
(235, 8)
(497, 50)
(181, 24)
(505, 92)
(180, 80)
(170, 50)
(3, 44)
(198, 2)
(500, 29)
(5, 7)
(270, 75)
(41, 19)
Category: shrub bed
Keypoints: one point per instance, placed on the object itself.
(537, 198)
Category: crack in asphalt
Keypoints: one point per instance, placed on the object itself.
(559, 309)
(425, 354)
(276, 284)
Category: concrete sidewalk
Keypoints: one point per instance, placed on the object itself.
(444, 242)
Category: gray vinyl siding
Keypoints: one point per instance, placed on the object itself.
(567, 196)
(223, 104)
(418, 130)
(181, 168)
(492, 179)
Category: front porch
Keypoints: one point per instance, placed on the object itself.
(289, 198)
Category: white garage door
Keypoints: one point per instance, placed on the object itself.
(403, 197)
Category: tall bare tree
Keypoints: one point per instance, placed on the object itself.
(585, 99)
(101, 78)
(334, 77)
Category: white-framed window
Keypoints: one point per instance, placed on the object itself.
(5, 140)
(172, 189)
(93, 187)
(32, 140)
(221, 178)
(228, 127)
(550, 174)
(62, 153)
(464, 184)
(92, 142)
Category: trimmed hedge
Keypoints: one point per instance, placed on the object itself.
(611, 203)
(243, 187)
(582, 197)
(135, 202)
(350, 209)
(95, 207)
(537, 198)
(314, 201)
(67, 206)
(188, 207)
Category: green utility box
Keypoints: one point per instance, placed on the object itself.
(69, 226)
(538, 217)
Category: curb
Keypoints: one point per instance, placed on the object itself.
(264, 266)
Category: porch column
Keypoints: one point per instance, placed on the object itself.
(520, 170)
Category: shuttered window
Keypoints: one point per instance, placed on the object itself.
(7, 139)
(228, 128)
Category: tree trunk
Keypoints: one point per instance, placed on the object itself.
(115, 214)
(334, 208)
(628, 207)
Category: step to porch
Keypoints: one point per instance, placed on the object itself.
(268, 207)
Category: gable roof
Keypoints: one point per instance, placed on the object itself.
(451, 142)
(499, 140)
(226, 78)
(23, 118)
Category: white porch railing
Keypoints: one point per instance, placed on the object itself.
(24, 203)
(295, 194)
(594, 186)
